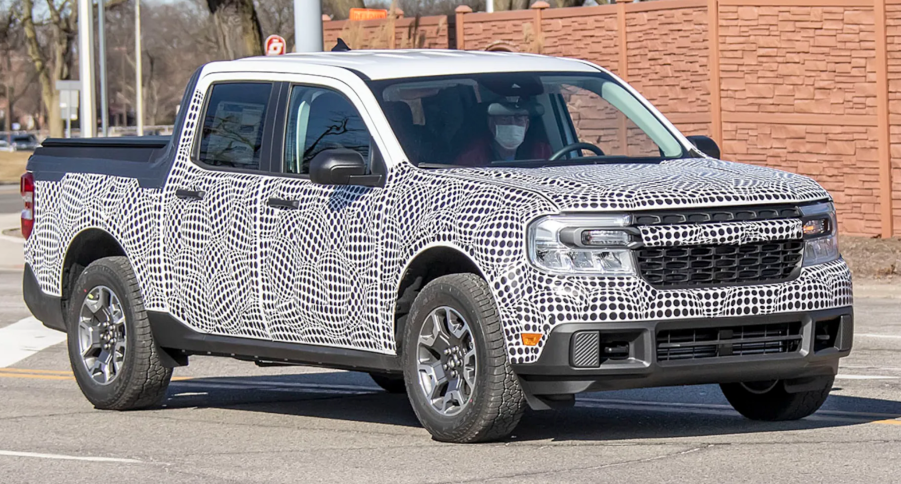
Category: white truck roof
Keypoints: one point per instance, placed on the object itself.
(393, 64)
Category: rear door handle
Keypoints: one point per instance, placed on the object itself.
(282, 203)
(189, 194)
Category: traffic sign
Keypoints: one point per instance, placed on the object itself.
(367, 14)
(275, 45)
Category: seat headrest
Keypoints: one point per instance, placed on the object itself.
(399, 113)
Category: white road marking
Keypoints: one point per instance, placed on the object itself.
(871, 335)
(865, 377)
(34, 455)
(25, 338)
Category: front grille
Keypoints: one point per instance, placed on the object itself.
(697, 343)
(713, 265)
(725, 214)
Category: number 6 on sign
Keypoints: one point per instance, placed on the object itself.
(275, 45)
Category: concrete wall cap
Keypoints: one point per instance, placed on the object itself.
(540, 5)
(463, 9)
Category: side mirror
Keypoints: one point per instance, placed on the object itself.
(341, 167)
(705, 145)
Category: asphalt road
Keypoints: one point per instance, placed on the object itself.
(229, 421)
(10, 199)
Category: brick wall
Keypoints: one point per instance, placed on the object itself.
(797, 91)
(893, 34)
(409, 33)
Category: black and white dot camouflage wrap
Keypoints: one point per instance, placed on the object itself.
(328, 273)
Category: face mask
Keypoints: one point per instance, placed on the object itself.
(509, 136)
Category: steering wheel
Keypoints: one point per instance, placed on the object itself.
(573, 147)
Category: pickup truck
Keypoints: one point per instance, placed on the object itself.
(483, 231)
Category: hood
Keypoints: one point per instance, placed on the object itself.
(695, 182)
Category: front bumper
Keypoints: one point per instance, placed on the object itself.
(636, 364)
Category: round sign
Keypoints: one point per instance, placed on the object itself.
(275, 45)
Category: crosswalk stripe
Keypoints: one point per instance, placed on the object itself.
(25, 338)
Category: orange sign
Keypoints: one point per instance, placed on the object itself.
(367, 13)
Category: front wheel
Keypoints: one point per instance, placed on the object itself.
(458, 378)
(111, 348)
(769, 401)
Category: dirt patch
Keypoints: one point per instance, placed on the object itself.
(12, 165)
(872, 260)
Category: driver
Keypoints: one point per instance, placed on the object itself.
(506, 139)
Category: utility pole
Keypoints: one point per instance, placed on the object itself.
(489, 6)
(307, 26)
(88, 117)
(139, 75)
(101, 52)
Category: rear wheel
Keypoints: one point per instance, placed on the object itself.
(111, 348)
(769, 401)
(458, 379)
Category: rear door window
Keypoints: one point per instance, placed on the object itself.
(233, 125)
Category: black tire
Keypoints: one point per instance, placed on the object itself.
(497, 401)
(142, 381)
(389, 383)
(756, 402)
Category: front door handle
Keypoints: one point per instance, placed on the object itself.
(189, 194)
(282, 203)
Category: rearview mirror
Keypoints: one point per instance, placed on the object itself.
(705, 145)
(341, 167)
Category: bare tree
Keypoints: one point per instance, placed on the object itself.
(53, 62)
(238, 27)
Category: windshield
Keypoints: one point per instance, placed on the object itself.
(528, 119)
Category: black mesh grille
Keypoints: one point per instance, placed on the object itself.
(696, 343)
(703, 265)
(741, 214)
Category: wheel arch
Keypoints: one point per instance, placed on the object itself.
(87, 246)
(429, 263)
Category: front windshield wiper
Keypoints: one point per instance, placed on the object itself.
(439, 166)
(584, 160)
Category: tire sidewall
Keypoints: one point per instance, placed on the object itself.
(430, 298)
(100, 274)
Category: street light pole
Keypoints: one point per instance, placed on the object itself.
(88, 117)
(489, 6)
(139, 75)
(307, 26)
(101, 52)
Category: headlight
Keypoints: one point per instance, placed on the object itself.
(820, 234)
(596, 245)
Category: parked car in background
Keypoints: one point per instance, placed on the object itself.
(24, 142)
(4, 146)
(432, 218)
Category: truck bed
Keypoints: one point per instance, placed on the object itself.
(146, 158)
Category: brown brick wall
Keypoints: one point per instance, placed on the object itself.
(797, 60)
(668, 58)
(893, 34)
(514, 34)
(591, 38)
(427, 33)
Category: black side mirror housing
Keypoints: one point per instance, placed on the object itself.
(705, 145)
(341, 167)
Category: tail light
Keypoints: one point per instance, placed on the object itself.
(26, 188)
